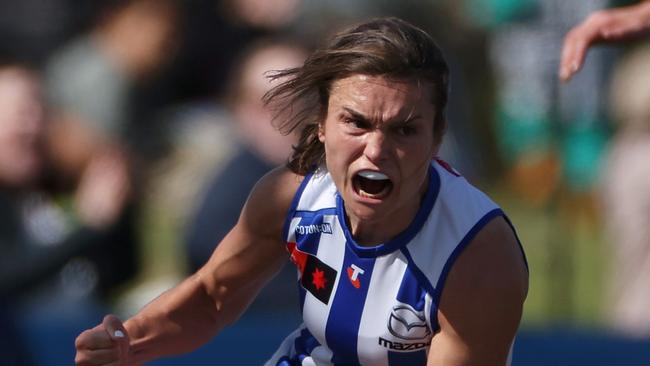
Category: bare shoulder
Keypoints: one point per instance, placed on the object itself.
(482, 302)
(270, 200)
(253, 251)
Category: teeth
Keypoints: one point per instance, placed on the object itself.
(373, 175)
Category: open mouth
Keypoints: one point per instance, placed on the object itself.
(372, 184)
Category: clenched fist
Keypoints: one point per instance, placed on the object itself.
(106, 344)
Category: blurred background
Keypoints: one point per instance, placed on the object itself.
(131, 132)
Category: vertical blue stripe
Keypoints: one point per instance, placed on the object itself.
(410, 292)
(407, 358)
(308, 243)
(428, 287)
(343, 323)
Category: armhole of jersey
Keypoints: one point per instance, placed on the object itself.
(294, 205)
(521, 247)
(480, 224)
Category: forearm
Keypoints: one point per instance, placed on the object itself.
(179, 321)
(185, 317)
(644, 9)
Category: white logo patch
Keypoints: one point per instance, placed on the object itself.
(408, 323)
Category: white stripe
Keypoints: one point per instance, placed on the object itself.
(458, 207)
(315, 196)
(291, 238)
(384, 285)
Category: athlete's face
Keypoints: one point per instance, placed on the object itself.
(378, 137)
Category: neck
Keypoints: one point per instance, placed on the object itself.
(373, 232)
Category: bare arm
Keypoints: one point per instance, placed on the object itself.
(602, 26)
(189, 315)
(482, 302)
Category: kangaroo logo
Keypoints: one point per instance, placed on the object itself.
(408, 323)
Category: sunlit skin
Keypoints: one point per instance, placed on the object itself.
(383, 125)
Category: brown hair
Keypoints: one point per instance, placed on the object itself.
(387, 46)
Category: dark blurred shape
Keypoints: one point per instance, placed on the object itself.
(215, 32)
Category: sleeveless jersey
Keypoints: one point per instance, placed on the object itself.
(375, 305)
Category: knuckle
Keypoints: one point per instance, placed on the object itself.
(81, 359)
(596, 17)
(600, 18)
(80, 341)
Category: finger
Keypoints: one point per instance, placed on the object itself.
(568, 57)
(98, 357)
(96, 338)
(115, 328)
(574, 49)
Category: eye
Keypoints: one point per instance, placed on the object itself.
(356, 123)
(405, 130)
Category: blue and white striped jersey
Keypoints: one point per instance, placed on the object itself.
(375, 305)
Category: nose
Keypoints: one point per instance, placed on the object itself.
(376, 147)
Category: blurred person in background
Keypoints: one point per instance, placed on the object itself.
(58, 247)
(197, 129)
(259, 146)
(91, 82)
(551, 141)
(626, 196)
(94, 86)
(220, 148)
(626, 176)
(256, 148)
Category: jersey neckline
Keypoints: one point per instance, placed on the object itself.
(402, 238)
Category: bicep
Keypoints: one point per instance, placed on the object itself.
(482, 302)
(242, 263)
(253, 252)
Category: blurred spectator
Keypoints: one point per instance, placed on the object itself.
(626, 176)
(62, 252)
(220, 147)
(552, 141)
(93, 84)
(626, 196)
(259, 148)
(92, 80)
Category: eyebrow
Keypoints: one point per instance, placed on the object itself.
(361, 117)
(356, 114)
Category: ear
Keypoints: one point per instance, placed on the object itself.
(436, 150)
(321, 132)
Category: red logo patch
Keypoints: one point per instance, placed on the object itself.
(353, 275)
